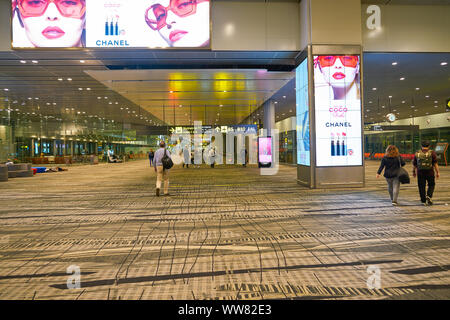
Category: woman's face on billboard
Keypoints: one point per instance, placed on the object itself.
(181, 23)
(339, 71)
(57, 23)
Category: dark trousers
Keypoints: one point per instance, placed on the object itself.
(422, 182)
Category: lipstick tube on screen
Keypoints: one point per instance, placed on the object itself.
(344, 144)
(106, 27)
(111, 27)
(338, 146)
(333, 149)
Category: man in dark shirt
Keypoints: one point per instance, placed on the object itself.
(425, 164)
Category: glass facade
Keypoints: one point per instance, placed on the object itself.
(407, 142)
(288, 147)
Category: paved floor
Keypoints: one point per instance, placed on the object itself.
(224, 233)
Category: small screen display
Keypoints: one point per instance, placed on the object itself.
(265, 149)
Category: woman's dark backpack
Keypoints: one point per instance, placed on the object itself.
(166, 161)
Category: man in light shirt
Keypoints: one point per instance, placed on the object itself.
(161, 173)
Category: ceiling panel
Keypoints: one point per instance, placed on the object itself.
(156, 90)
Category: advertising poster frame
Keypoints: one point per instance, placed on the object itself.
(325, 108)
(118, 49)
(265, 164)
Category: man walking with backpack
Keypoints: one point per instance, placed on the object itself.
(162, 164)
(425, 165)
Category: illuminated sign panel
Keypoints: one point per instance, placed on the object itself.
(111, 23)
(337, 110)
(265, 150)
(302, 112)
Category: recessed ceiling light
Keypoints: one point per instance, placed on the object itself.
(427, 96)
(23, 61)
(390, 97)
(284, 97)
(374, 89)
(69, 79)
(435, 101)
(383, 107)
(402, 78)
(82, 61)
(435, 106)
(80, 89)
(443, 63)
(394, 63)
(34, 61)
(417, 88)
(403, 101)
(60, 79)
(88, 89)
(6, 89)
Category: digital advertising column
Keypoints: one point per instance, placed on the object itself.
(329, 117)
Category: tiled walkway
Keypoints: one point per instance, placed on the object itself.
(224, 233)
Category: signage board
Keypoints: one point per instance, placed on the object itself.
(337, 94)
(302, 113)
(265, 150)
(111, 24)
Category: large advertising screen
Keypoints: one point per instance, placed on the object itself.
(265, 149)
(338, 110)
(110, 23)
(302, 112)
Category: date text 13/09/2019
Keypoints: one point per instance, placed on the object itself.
(244, 309)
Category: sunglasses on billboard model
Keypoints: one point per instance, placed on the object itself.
(67, 8)
(347, 61)
(156, 15)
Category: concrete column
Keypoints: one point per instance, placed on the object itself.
(269, 116)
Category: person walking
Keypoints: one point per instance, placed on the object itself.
(212, 155)
(151, 155)
(425, 165)
(186, 156)
(161, 173)
(391, 163)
